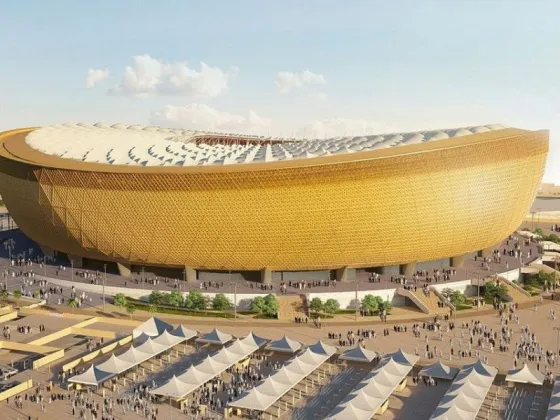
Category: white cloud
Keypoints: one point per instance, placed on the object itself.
(203, 117)
(322, 96)
(286, 81)
(334, 127)
(95, 76)
(149, 76)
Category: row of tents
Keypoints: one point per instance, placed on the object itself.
(152, 338)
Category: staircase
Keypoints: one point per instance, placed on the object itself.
(427, 304)
(290, 306)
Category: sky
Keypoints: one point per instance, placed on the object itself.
(284, 68)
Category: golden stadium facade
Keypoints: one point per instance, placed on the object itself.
(422, 201)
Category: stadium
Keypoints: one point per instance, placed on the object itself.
(135, 196)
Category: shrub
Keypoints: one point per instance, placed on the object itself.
(331, 306)
(371, 303)
(221, 302)
(316, 305)
(195, 300)
(120, 300)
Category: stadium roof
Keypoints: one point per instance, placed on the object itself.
(153, 146)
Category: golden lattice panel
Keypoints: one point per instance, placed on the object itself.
(374, 211)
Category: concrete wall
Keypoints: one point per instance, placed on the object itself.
(346, 299)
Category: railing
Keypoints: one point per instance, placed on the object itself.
(515, 286)
(407, 293)
(442, 298)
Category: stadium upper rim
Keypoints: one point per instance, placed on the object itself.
(31, 145)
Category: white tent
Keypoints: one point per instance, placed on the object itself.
(466, 394)
(255, 340)
(284, 345)
(114, 365)
(152, 327)
(196, 376)
(440, 370)
(92, 376)
(182, 331)
(358, 354)
(214, 337)
(270, 390)
(174, 388)
(553, 412)
(377, 386)
(135, 355)
(525, 375)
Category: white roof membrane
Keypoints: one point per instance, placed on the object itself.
(153, 146)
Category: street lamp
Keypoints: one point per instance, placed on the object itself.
(142, 279)
(72, 269)
(104, 280)
(357, 302)
(234, 284)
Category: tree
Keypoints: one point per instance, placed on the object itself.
(457, 298)
(221, 302)
(72, 304)
(157, 298)
(258, 305)
(492, 291)
(130, 309)
(331, 306)
(385, 306)
(174, 298)
(271, 305)
(316, 304)
(539, 231)
(120, 300)
(17, 294)
(195, 300)
(370, 303)
(4, 294)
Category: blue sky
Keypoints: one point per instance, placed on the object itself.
(372, 65)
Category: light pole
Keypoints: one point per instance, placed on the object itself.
(356, 300)
(142, 279)
(104, 280)
(72, 269)
(234, 284)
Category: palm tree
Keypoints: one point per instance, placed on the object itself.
(4, 294)
(130, 309)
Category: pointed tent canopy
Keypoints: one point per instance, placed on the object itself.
(281, 381)
(466, 394)
(92, 376)
(440, 371)
(182, 331)
(321, 348)
(525, 375)
(404, 358)
(168, 340)
(375, 388)
(553, 412)
(133, 355)
(152, 327)
(284, 345)
(174, 388)
(255, 340)
(114, 365)
(214, 337)
(152, 347)
(358, 354)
